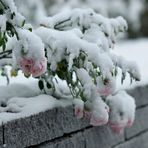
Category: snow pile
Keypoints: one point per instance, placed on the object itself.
(74, 47)
(23, 100)
(19, 107)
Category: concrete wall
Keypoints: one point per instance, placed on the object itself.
(58, 128)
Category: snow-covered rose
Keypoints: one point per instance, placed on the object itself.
(39, 68)
(35, 67)
(99, 113)
(117, 127)
(78, 108)
(29, 53)
(87, 114)
(106, 88)
(122, 111)
(26, 65)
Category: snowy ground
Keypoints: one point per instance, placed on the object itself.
(20, 106)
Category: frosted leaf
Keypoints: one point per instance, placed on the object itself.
(126, 66)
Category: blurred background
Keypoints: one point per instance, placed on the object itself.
(134, 11)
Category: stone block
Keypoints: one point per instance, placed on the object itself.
(140, 141)
(92, 137)
(140, 124)
(72, 141)
(140, 94)
(1, 137)
(101, 137)
(42, 127)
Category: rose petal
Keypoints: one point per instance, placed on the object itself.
(96, 121)
(129, 123)
(78, 112)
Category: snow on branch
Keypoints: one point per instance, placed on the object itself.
(74, 47)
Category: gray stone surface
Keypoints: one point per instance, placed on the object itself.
(42, 127)
(59, 128)
(72, 141)
(1, 136)
(93, 137)
(101, 137)
(140, 124)
(140, 141)
(140, 94)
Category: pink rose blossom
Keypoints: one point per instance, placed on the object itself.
(118, 130)
(98, 113)
(97, 121)
(78, 108)
(87, 114)
(26, 65)
(99, 116)
(130, 123)
(105, 91)
(94, 120)
(117, 127)
(39, 68)
(30, 66)
(78, 112)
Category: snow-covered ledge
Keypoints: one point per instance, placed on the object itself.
(58, 128)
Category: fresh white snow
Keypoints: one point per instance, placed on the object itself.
(19, 107)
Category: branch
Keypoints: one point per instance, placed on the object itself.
(5, 7)
(6, 54)
(6, 51)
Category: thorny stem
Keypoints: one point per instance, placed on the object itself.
(6, 51)
(5, 54)
(59, 23)
(5, 57)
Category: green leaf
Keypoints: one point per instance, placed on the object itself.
(105, 81)
(30, 29)
(1, 11)
(48, 85)
(131, 80)
(2, 41)
(23, 51)
(27, 75)
(23, 23)
(41, 84)
(4, 46)
(12, 15)
(123, 77)
(116, 71)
